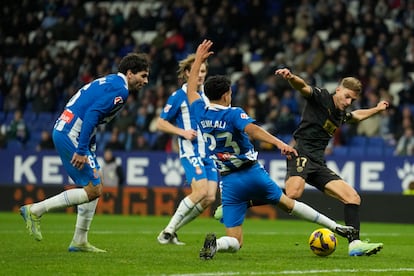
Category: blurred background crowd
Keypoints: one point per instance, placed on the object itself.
(49, 49)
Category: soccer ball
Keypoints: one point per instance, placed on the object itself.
(322, 242)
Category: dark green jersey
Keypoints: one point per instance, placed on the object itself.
(320, 119)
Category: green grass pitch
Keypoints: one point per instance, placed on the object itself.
(271, 247)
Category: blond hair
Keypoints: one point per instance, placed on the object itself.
(185, 65)
(352, 84)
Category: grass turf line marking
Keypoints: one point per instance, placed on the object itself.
(296, 272)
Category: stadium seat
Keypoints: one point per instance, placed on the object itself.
(340, 151)
(389, 151)
(354, 151)
(15, 145)
(374, 151)
(359, 141)
(376, 142)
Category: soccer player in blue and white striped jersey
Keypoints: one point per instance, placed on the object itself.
(94, 104)
(200, 170)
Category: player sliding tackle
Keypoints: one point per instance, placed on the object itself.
(227, 131)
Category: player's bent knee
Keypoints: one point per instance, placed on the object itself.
(294, 194)
(93, 192)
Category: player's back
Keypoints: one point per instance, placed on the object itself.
(223, 130)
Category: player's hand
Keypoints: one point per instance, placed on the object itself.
(78, 161)
(382, 105)
(288, 151)
(285, 73)
(203, 50)
(189, 134)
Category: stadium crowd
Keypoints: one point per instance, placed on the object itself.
(50, 48)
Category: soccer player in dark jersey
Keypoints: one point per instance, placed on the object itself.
(227, 131)
(94, 104)
(322, 115)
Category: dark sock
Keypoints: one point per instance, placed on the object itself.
(351, 212)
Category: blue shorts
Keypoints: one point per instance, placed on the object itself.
(66, 149)
(198, 168)
(239, 187)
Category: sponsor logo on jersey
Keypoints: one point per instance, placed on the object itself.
(66, 116)
(95, 173)
(244, 116)
(118, 100)
(167, 108)
(198, 170)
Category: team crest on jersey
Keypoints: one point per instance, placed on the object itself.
(244, 116)
(118, 100)
(167, 108)
(95, 173)
(198, 170)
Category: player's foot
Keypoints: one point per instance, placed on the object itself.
(218, 214)
(174, 240)
(86, 247)
(210, 247)
(166, 238)
(348, 232)
(32, 222)
(362, 248)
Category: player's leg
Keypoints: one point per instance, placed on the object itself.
(233, 240)
(32, 213)
(218, 213)
(209, 198)
(233, 197)
(344, 192)
(296, 174)
(86, 212)
(196, 175)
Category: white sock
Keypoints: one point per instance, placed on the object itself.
(228, 244)
(64, 199)
(306, 212)
(195, 212)
(183, 209)
(86, 211)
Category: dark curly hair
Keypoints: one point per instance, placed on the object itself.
(216, 86)
(134, 62)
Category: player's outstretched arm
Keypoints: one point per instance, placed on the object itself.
(257, 133)
(296, 82)
(202, 53)
(167, 127)
(362, 114)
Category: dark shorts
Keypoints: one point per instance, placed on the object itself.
(316, 174)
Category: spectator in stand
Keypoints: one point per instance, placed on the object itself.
(46, 142)
(285, 122)
(112, 172)
(114, 143)
(406, 94)
(140, 143)
(18, 129)
(45, 100)
(405, 145)
(124, 121)
(371, 126)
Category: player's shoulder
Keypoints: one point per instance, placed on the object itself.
(178, 94)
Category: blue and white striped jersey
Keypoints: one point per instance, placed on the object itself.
(223, 131)
(95, 103)
(177, 112)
